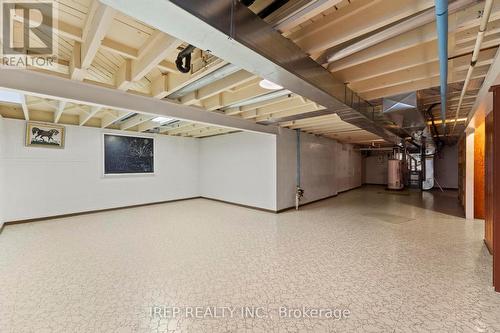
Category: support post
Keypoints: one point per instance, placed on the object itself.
(422, 164)
(298, 158)
(299, 192)
(405, 164)
(496, 187)
(469, 173)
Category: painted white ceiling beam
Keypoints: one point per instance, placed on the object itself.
(156, 50)
(326, 33)
(218, 87)
(24, 105)
(148, 125)
(210, 132)
(60, 109)
(182, 129)
(484, 101)
(52, 87)
(93, 33)
(296, 16)
(135, 120)
(458, 22)
(174, 81)
(111, 117)
(85, 117)
(169, 17)
(170, 127)
(274, 58)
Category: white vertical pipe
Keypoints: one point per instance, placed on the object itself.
(475, 55)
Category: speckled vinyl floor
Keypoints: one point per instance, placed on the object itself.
(394, 263)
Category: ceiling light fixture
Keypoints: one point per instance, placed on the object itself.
(161, 120)
(266, 84)
(10, 97)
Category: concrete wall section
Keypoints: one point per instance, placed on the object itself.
(47, 182)
(319, 168)
(239, 168)
(327, 167)
(349, 168)
(446, 167)
(286, 145)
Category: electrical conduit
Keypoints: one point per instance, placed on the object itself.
(475, 55)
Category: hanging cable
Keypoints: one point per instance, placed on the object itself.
(183, 61)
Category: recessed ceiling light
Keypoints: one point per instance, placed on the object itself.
(161, 120)
(266, 84)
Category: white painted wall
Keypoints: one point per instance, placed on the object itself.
(3, 188)
(286, 165)
(327, 167)
(46, 182)
(446, 167)
(245, 168)
(349, 169)
(318, 167)
(239, 168)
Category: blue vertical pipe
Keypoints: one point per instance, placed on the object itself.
(298, 158)
(442, 32)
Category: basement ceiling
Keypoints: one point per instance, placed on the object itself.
(401, 64)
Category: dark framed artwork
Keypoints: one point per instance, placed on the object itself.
(128, 154)
(44, 135)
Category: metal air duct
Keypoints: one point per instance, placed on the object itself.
(205, 80)
(403, 111)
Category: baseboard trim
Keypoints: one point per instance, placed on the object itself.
(54, 217)
(39, 219)
(318, 200)
(435, 188)
(242, 205)
(88, 212)
(351, 189)
(307, 203)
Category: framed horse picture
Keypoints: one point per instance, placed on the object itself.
(44, 135)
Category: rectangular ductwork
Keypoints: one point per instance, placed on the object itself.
(403, 111)
(234, 33)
